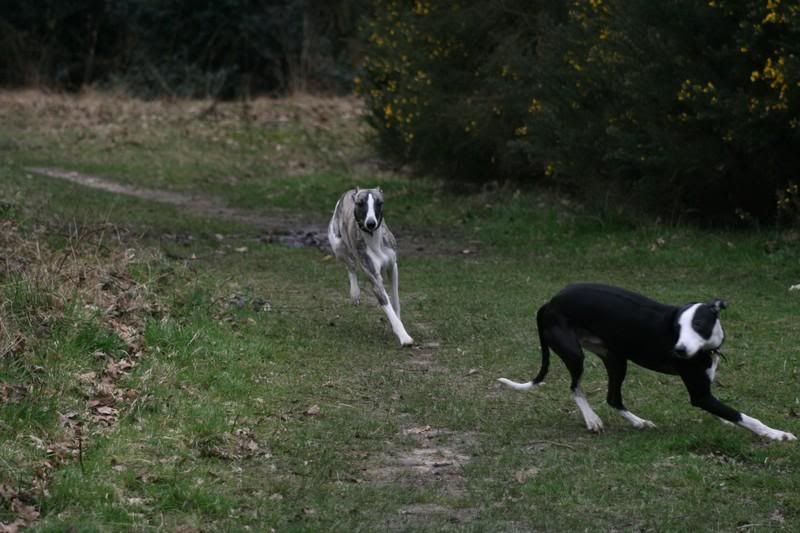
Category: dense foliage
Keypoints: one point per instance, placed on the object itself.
(180, 47)
(692, 106)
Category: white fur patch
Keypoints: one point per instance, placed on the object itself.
(355, 290)
(518, 386)
(593, 422)
(371, 217)
(757, 427)
(397, 326)
(635, 421)
(711, 371)
(692, 342)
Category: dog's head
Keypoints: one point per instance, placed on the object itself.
(368, 208)
(699, 328)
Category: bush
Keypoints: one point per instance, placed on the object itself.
(692, 106)
(441, 81)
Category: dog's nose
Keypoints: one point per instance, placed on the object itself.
(680, 351)
(371, 224)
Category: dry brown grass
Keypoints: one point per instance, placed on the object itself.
(104, 110)
(91, 273)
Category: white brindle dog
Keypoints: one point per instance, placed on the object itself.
(361, 239)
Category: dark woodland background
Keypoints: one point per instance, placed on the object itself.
(686, 109)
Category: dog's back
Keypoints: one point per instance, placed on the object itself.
(626, 318)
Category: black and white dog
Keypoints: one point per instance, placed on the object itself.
(361, 239)
(619, 325)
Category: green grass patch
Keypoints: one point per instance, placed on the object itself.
(258, 398)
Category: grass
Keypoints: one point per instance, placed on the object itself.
(254, 396)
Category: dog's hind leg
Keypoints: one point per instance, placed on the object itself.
(395, 295)
(565, 343)
(355, 291)
(617, 367)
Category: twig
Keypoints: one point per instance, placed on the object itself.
(554, 443)
(80, 449)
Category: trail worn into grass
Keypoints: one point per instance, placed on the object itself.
(285, 227)
(282, 227)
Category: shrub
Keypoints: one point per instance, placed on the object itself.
(440, 80)
(691, 106)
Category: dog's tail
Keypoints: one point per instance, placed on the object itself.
(539, 379)
(334, 237)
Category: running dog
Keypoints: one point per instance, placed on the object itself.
(361, 239)
(620, 325)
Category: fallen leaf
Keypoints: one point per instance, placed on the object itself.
(524, 475)
(87, 378)
(26, 512)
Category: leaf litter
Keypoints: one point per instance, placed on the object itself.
(97, 276)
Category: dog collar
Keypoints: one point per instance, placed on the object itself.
(715, 351)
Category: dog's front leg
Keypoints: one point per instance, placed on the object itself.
(397, 326)
(700, 395)
(716, 407)
(383, 300)
(617, 368)
(757, 427)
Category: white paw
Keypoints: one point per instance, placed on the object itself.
(642, 424)
(594, 424)
(355, 300)
(780, 435)
(406, 341)
(638, 423)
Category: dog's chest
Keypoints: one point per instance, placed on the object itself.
(379, 255)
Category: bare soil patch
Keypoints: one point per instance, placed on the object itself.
(435, 461)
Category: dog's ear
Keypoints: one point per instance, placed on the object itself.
(355, 192)
(719, 305)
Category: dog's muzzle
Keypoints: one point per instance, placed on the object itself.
(681, 353)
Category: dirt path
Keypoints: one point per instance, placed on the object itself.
(282, 227)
